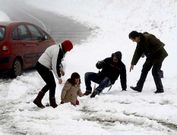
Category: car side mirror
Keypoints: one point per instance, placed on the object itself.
(43, 38)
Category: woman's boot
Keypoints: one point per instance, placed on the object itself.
(53, 102)
(38, 99)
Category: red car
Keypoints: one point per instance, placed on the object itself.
(21, 44)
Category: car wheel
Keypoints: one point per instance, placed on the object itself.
(16, 68)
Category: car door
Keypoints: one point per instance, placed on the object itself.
(47, 40)
(42, 39)
(37, 38)
(24, 46)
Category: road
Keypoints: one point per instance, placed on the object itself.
(59, 27)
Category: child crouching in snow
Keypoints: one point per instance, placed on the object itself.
(71, 90)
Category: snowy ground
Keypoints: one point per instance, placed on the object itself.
(114, 112)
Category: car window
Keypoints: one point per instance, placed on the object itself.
(2, 32)
(43, 33)
(36, 35)
(23, 33)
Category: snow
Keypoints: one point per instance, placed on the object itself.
(3, 16)
(114, 112)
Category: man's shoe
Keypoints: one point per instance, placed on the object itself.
(135, 89)
(158, 91)
(95, 92)
(87, 93)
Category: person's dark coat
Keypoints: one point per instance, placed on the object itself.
(112, 70)
(151, 47)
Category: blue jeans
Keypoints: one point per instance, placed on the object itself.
(95, 77)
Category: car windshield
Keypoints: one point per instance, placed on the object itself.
(2, 32)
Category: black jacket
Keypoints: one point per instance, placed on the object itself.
(112, 71)
(152, 47)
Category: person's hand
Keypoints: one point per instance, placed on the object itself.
(99, 64)
(62, 102)
(77, 102)
(131, 67)
(60, 81)
(62, 72)
(74, 104)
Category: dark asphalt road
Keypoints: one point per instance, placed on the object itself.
(59, 27)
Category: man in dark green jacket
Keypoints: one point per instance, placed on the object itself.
(153, 49)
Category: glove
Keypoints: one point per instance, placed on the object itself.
(99, 64)
(62, 72)
(77, 102)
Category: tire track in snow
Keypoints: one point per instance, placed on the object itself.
(171, 126)
(109, 119)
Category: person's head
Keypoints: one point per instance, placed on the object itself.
(135, 36)
(117, 56)
(67, 45)
(75, 78)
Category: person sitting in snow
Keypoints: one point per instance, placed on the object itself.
(111, 67)
(71, 90)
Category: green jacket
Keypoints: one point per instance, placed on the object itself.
(151, 47)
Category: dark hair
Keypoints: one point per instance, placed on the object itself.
(74, 76)
(134, 34)
(118, 55)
